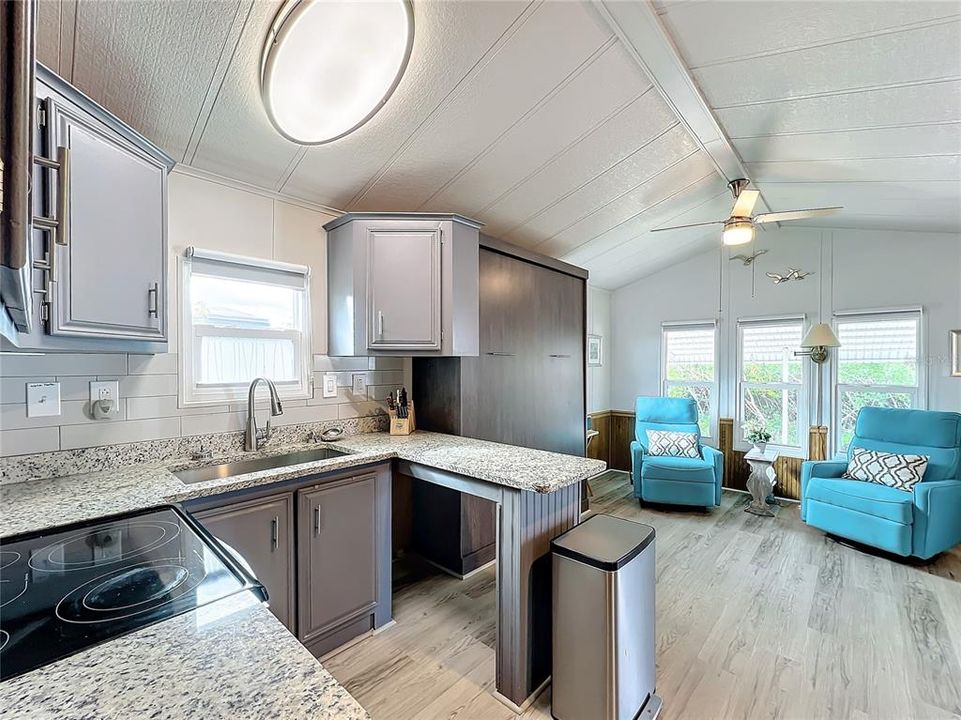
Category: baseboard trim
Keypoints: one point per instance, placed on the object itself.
(518, 709)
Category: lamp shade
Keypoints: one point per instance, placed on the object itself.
(821, 335)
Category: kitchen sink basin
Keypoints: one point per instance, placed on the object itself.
(189, 476)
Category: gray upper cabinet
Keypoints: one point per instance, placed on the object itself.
(100, 274)
(262, 531)
(336, 554)
(402, 284)
(403, 289)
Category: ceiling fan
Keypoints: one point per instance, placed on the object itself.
(739, 228)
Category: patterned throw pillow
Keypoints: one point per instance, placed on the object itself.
(675, 444)
(902, 472)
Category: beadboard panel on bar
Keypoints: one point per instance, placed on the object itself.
(616, 431)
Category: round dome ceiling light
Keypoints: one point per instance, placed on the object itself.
(330, 65)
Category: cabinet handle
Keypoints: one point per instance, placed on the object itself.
(501, 354)
(274, 532)
(59, 226)
(380, 324)
(317, 520)
(555, 355)
(153, 301)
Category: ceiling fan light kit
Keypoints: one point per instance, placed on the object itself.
(329, 65)
(738, 231)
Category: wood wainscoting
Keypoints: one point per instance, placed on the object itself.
(616, 431)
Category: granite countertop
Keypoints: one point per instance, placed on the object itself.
(230, 659)
(38, 504)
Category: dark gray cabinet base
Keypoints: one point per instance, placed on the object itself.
(453, 530)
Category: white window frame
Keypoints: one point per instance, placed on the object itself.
(919, 393)
(260, 271)
(713, 386)
(804, 387)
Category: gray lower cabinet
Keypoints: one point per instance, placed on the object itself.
(262, 531)
(337, 561)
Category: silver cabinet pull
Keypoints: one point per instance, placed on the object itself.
(63, 196)
(555, 355)
(380, 324)
(274, 532)
(317, 520)
(153, 301)
(501, 354)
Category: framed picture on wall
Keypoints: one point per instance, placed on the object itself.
(956, 353)
(594, 355)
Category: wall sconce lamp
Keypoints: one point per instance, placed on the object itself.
(817, 341)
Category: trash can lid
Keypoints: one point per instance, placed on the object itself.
(604, 541)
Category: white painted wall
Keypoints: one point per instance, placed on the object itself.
(215, 214)
(599, 323)
(854, 269)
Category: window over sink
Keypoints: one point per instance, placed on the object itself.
(242, 318)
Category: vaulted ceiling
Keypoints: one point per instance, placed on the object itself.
(544, 121)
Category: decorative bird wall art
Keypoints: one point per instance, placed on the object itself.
(791, 274)
(747, 260)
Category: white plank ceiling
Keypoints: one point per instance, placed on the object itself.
(533, 118)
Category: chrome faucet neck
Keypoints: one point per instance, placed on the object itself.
(253, 437)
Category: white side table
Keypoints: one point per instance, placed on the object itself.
(761, 482)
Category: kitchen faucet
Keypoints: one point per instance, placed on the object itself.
(254, 437)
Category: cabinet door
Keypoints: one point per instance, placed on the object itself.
(403, 285)
(335, 554)
(262, 532)
(111, 260)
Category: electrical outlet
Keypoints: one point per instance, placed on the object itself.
(359, 383)
(330, 385)
(43, 399)
(104, 399)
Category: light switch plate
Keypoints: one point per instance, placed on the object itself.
(359, 383)
(330, 385)
(43, 399)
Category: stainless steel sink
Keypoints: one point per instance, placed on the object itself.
(242, 467)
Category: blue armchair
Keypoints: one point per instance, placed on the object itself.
(921, 523)
(677, 480)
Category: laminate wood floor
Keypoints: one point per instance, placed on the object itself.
(756, 618)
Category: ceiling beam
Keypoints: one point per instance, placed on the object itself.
(643, 35)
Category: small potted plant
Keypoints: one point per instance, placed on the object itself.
(757, 435)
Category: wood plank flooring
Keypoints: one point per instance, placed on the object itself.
(756, 618)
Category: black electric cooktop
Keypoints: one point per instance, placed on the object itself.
(65, 589)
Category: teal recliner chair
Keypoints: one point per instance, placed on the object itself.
(921, 523)
(675, 480)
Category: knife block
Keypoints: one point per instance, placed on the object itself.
(402, 426)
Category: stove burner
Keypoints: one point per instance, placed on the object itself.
(12, 586)
(51, 557)
(5, 559)
(123, 593)
(4, 639)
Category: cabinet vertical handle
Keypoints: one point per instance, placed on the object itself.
(63, 196)
(274, 532)
(380, 323)
(317, 520)
(153, 301)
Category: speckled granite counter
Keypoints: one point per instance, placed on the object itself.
(38, 504)
(231, 659)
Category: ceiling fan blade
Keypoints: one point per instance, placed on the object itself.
(744, 205)
(681, 227)
(788, 215)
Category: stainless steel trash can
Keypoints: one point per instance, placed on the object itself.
(603, 621)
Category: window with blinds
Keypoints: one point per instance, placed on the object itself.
(689, 369)
(243, 318)
(878, 365)
(771, 380)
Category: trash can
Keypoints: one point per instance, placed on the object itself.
(603, 621)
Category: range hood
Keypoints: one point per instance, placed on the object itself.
(18, 49)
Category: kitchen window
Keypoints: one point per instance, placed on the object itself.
(878, 365)
(689, 368)
(242, 318)
(772, 381)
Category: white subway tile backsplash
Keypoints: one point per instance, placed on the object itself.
(33, 440)
(380, 392)
(92, 434)
(73, 412)
(385, 377)
(306, 414)
(140, 408)
(14, 390)
(360, 409)
(148, 385)
(386, 363)
(323, 363)
(75, 388)
(62, 364)
(165, 364)
(204, 424)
